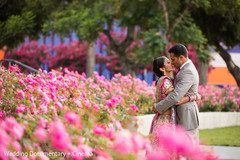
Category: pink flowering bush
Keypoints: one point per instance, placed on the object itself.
(77, 118)
(226, 99)
(72, 55)
(30, 54)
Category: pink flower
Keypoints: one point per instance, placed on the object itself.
(133, 107)
(137, 142)
(53, 96)
(99, 129)
(5, 139)
(13, 127)
(81, 152)
(109, 104)
(41, 134)
(21, 81)
(20, 108)
(110, 132)
(103, 155)
(45, 72)
(147, 144)
(123, 142)
(96, 107)
(42, 122)
(1, 115)
(58, 105)
(3, 151)
(113, 101)
(30, 97)
(17, 146)
(43, 108)
(21, 93)
(71, 117)
(45, 98)
(157, 155)
(87, 104)
(33, 108)
(14, 68)
(59, 137)
(175, 140)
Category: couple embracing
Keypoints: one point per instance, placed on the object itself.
(176, 100)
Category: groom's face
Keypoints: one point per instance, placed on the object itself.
(176, 61)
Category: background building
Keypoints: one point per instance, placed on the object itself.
(220, 75)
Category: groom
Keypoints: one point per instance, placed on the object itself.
(186, 84)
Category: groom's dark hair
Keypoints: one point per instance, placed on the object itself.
(178, 49)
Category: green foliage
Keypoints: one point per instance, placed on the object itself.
(226, 14)
(220, 25)
(21, 18)
(15, 28)
(86, 23)
(187, 32)
(87, 19)
(173, 25)
(154, 44)
(90, 18)
(136, 13)
(204, 54)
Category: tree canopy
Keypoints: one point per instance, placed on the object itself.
(156, 23)
(153, 24)
(221, 27)
(15, 22)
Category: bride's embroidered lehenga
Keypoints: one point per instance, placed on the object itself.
(159, 120)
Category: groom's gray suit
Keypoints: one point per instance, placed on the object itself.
(187, 81)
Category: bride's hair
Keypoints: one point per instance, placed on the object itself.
(157, 64)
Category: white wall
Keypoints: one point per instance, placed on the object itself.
(219, 62)
(208, 120)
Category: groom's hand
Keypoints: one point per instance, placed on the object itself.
(154, 109)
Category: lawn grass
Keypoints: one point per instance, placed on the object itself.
(227, 136)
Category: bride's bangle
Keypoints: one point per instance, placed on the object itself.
(192, 98)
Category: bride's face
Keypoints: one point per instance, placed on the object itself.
(168, 65)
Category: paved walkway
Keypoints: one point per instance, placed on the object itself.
(225, 152)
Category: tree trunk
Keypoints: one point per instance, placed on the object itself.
(127, 67)
(90, 59)
(232, 67)
(203, 73)
(120, 49)
(165, 52)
